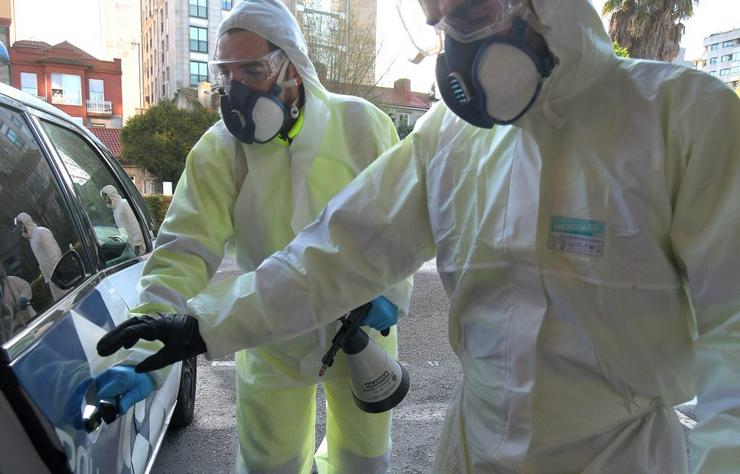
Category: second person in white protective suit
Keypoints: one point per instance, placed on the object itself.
(44, 247)
(285, 146)
(124, 218)
(589, 249)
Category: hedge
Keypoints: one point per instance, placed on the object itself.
(158, 205)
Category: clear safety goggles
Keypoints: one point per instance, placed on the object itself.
(428, 21)
(249, 71)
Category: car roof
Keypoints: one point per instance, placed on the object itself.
(35, 103)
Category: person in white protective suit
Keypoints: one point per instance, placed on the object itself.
(124, 218)
(589, 249)
(17, 294)
(284, 147)
(44, 247)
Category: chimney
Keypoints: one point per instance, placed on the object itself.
(402, 86)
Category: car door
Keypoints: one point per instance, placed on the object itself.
(48, 332)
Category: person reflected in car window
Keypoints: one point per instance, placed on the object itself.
(125, 218)
(44, 247)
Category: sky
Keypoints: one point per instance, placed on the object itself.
(710, 16)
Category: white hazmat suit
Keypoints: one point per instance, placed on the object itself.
(125, 219)
(45, 248)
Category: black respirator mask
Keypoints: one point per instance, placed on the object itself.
(494, 80)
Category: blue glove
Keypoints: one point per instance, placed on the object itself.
(23, 302)
(382, 315)
(122, 381)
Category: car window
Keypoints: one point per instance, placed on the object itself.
(117, 229)
(36, 227)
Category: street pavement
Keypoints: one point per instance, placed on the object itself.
(209, 445)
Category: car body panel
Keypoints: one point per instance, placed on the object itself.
(54, 359)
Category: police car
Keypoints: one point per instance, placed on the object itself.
(68, 275)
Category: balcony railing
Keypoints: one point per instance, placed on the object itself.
(42, 97)
(99, 107)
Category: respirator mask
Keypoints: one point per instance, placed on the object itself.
(487, 72)
(253, 116)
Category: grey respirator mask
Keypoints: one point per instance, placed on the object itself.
(494, 80)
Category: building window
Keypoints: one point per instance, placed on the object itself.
(66, 89)
(198, 39)
(403, 120)
(724, 72)
(728, 44)
(735, 70)
(713, 73)
(29, 84)
(96, 90)
(226, 4)
(713, 60)
(199, 8)
(714, 47)
(13, 137)
(736, 57)
(726, 57)
(198, 72)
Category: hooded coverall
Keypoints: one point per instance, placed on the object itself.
(125, 220)
(253, 200)
(46, 250)
(589, 252)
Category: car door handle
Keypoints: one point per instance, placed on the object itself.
(94, 415)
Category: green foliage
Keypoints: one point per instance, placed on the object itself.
(158, 205)
(649, 29)
(161, 137)
(403, 130)
(620, 51)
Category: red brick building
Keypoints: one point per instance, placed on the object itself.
(70, 79)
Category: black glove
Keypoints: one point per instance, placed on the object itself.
(178, 332)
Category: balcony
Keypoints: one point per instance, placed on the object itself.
(99, 107)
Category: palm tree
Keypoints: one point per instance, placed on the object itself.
(649, 29)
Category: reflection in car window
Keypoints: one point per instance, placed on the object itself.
(36, 227)
(116, 227)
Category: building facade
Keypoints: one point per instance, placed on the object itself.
(402, 104)
(178, 37)
(722, 57)
(86, 88)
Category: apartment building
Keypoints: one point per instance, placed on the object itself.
(178, 37)
(722, 57)
(69, 78)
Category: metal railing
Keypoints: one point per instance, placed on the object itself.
(99, 106)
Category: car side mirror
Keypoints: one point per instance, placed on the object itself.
(69, 271)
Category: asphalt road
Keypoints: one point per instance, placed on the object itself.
(209, 445)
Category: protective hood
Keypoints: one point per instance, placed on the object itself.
(273, 21)
(28, 222)
(112, 193)
(576, 37)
